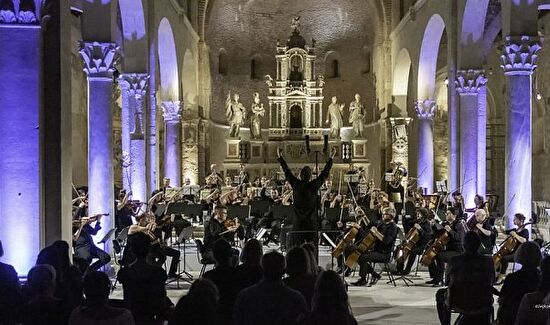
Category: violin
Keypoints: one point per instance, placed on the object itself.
(508, 246)
(365, 245)
(402, 251)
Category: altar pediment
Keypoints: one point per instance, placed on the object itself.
(296, 93)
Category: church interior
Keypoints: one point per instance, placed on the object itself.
(164, 117)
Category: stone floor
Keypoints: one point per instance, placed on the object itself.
(382, 304)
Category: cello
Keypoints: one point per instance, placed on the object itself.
(434, 249)
(508, 246)
(402, 251)
(365, 245)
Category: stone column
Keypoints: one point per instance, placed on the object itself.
(133, 137)
(519, 60)
(99, 60)
(425, 111)
(21, 137)
(469, 84)
(172, 144)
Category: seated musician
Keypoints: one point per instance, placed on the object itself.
(521, 234)
(480, 223)
(214, 180)
(456, 228)
(458, 203)
(220, 227)
(80, 204)
(382, 249)
(424, 228)
(158, 252)
(124, 211)
(85, 249)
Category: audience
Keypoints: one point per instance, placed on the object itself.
(315, 269)
(517, 284)
(144, 285)
(250, 271)
(199, 306)
(530, 310)
(96, 311)
(270, 301)
(299, 272)
(43, 307)
(225, 277)
(330, 303)
(10, 292)
(470, 279)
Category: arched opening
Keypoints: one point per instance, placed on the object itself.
(296, 117)
(332, 65)
(401, 83)
(255, 68)
(335, 69)
(222, 62)
(168, 62)
(189, 82)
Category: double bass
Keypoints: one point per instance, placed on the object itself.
(508, 246)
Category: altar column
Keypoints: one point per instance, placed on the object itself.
(99, 61)
(519, 60)
(472, 154)
(172, 145)
(425, 111)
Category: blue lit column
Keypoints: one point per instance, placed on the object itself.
(172, 144)
(99, 60)
(21, 189)
(469, 85)
(134, 88)
(425, 111)
(519, 60)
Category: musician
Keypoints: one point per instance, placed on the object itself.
(424, 228)
(165, 184)
(124, 212)
(216, 229)
(84, 246)
(382, 249)
(480, 224)
(521, 234)
(215, 179)
(353, 171)
(80, 204)
(158, 252)
(456, 228)
(395, 189)
(244, 178)
(458, 203)
(306, 198)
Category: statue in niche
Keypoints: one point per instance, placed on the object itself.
(258, 112)
(335, 117)
(235, 113)
(357, 116)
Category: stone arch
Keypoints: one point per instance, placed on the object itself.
(332, 65)
(428, 57)
(168, 61)
(400, 86)
(189, 83)
(222, 62)
(471, 36)
(134, 35)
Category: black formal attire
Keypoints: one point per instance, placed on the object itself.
(470, 278)
(487, 242)
(506, 259)
(159, 251)
(123, 218)
(212, 232)
(515, 286)
(410, 216)
(381, 253)
(10, 294)
(227, 279)
(86, 250)
(249, 275)
(393, 192)
(306, 202)
(453, 248)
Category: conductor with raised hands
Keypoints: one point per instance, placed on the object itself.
(306, 198)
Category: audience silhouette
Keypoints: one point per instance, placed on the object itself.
(199, 306)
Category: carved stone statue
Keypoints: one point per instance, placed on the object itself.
(258, 112)
(295, 25)
(268, 80)
(335, 117)
(235, 113)
(357, 116)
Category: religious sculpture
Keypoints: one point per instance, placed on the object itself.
(235, 113)
(336, 118)
(258, 112)
(357, 116)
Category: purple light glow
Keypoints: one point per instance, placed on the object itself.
(20, 140)
(425, 111)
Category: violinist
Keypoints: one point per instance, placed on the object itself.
(458, 203)
(214, 180)
(158, 252)
(80, 204)
(124, 212)
(220, 227)
(424, 228)
(480, 223)
(521, 234)
(84, 246)
(382, 249)
(456, 229)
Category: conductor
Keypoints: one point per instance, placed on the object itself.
(306, 197)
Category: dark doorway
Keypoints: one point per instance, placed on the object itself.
(296, 117)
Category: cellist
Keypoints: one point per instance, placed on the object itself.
(456, 228)
(521, 235)
(382, 249)
(424, 227)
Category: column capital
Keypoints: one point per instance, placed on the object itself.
(519, 55)
(24, 14)
(171, 111)
(470, 81)
(135, 83)
(425, 109)
(99, 58)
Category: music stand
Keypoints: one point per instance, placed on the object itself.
(104, 240)
(441, 186)
(351, 178)
(185, 234)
